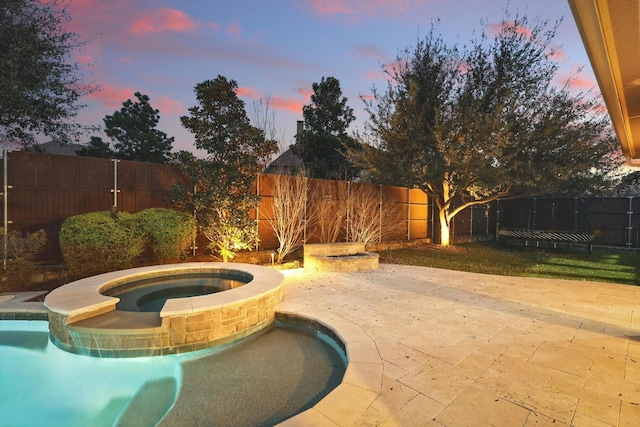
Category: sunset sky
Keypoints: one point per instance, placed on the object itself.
(275, 48)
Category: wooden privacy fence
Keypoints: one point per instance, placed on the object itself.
(41, 190)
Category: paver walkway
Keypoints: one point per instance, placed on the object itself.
(464, 349)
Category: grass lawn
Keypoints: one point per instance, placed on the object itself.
(508, 260)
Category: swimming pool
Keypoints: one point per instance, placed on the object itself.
(277, 373)
(43, 385)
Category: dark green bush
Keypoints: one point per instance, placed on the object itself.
(169, 233)
(98, 242)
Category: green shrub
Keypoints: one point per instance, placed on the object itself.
(98, 242)
(169, 233)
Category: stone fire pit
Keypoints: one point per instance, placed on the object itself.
(342, 256)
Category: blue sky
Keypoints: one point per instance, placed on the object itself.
(276, 48)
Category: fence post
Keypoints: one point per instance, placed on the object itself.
(5, 209)
(471, 221)
(408, 214)
(348, 211)
(380, 215)
(629, 227)
(195, 219)
(497, 217)
(304, 218)
(486, 218)
(258, 212)
(575, 212)
(115, 191)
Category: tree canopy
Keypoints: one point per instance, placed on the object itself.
(220, 192)
(324, 141)
(39, 87)
(487, 122)
(133, 132)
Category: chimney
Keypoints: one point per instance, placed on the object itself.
(299, 129)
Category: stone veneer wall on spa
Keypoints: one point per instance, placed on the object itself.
(184, 324)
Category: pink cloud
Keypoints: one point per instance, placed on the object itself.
(167, 105)
(287, 104)
(249, 92)
(557, 54)
(360, 8)
(463, 67)
(305, 92)
(395, 66)
(497, 28)
(84, 58)
(575, 79)
(163, 19)
(278, 102)
(112, 96)
(582, 83)
(331, 7)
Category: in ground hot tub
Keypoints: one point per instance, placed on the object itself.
(150, 295)
(84, 316)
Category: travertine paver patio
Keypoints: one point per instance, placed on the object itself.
(462, 349)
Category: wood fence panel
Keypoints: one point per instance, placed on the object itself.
(419, 215)
(48, 188)
(268, 240)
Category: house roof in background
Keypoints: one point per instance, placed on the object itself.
(285, 163)
(52, 147)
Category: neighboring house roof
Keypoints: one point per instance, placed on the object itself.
(52, 147)
(285, 163)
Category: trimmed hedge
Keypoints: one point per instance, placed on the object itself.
(98, 242)
(169, 233)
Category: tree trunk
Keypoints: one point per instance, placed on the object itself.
(444, 227)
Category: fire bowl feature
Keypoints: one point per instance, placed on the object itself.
(83, 320)
(342, 256)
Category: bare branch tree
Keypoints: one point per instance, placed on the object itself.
(289, 215)
(264, 119)
(331, 209)
(372, 216)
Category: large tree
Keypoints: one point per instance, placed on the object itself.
(133, 132)
(324, 141)
(469, 127)
(39, 85)
(220, 193)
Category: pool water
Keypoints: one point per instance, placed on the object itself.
(149, 295)
(41, 385)
(259, 381)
